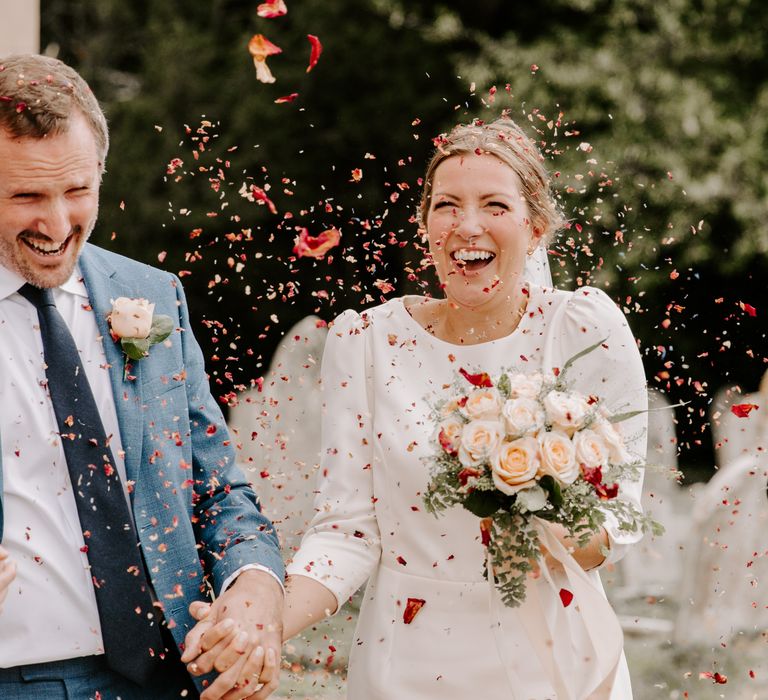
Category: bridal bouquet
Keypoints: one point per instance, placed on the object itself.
(523, 446)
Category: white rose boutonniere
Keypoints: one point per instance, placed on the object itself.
(133, 323)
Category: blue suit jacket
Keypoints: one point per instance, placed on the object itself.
(197, 518)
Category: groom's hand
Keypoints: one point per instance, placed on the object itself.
(239, 635)
(7, 574)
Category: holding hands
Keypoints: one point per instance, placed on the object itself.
(239, 636)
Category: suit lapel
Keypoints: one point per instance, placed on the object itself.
(104, 284)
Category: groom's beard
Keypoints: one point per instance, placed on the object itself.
(39, 269)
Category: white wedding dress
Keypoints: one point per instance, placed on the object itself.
(381, 373)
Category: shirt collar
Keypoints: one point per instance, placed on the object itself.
(11, 281)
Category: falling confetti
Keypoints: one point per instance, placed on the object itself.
(317, 49)
(308, 246)
(260, 48)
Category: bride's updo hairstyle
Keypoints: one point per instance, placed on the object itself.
(505, 140)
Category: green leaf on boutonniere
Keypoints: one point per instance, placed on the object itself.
(162, 327)
(135, 348)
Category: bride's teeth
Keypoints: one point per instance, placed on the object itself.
(468, 255)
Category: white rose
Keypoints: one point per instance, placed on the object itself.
(514, 465)
(483, 404)
(479, 439)
(558, 456)
(591, 450)
(525, 386)
(131, 318)
(449, 435)
(523, 416)
(566, 410)
(617, 452)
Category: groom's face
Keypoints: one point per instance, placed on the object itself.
(49, 197)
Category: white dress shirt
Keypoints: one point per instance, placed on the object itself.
(50, 613)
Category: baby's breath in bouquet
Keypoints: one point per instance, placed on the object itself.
(522, 446)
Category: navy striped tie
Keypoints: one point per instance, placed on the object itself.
(129, 624)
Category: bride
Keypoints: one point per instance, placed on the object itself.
(487, 213)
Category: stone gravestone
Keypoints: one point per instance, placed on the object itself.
(725, 588)
(734, 435)
(653, 566)
(277, 431)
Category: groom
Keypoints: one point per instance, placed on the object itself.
(126, 532)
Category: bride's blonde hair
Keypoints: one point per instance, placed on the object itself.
(506, 141)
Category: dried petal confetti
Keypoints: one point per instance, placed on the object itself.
(742, 410)
(260, 47)
(566, 597)
(317, 49)
(271, 9)
(316, 246)
(481, 379)
(412, 608)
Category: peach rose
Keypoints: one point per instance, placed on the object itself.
(566, 410)
(131, 318)
(449, 435)
(558, 456)
(483, 404)
(451, 406)
(479, 439)
(514, 465)
(522, 416)
(591, 450)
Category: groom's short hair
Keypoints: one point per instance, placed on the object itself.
(40, 94)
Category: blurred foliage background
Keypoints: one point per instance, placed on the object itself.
(653, 116)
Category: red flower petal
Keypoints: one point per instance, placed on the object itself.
(565, 597)
(742, 410)
(271, 9)
(464, 474)
(316, 246)
(592, 475)
(412, 608)
(748, 308)
(485, 531)
(256, 194)
(317, 49)
(287, 98)
(481, 379)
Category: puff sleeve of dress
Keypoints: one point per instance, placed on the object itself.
(342, 544)
(614, 372)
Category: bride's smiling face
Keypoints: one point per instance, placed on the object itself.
(478, 227)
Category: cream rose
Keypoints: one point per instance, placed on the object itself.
(131, 318)
(525, 386)
(591, 450)
(522, 416)
(558, 456)
(514, 465)
(479, 439)
(565, 410)
(451, 406)
(617, 452)
(449, 435)
(483, 404)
